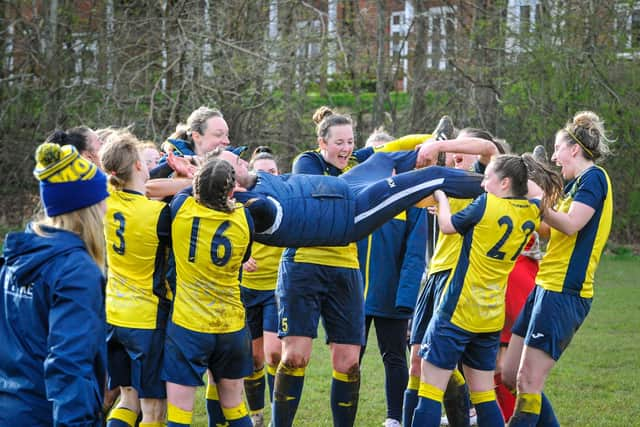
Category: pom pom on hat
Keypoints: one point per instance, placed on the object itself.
(68, 181)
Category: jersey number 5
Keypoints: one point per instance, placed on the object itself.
(220, 244)
(528, 227)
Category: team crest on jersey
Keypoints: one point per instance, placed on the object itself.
(391, 183)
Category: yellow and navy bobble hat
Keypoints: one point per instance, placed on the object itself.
(68, 181)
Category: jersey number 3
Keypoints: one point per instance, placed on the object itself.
(528, 227)
(220, 244)
(119, 249)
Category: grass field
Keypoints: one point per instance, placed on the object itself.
(594, 384)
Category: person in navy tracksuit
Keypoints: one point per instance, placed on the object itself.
(392, 263)
(52, 318)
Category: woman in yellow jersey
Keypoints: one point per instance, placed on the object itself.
(580, 225)
(466, 325)
(211, 238)
(471, 150)
(323, 282)
(258, 296)
(137, 302)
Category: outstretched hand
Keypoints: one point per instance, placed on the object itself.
(181, 165)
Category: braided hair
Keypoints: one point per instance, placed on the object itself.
(212, 184)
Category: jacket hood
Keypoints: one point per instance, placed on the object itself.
(25, 252)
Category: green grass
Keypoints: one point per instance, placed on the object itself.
(594, 384)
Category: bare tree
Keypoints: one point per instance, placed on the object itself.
(419, 77)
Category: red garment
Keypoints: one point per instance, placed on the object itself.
(506, 399)
(522, 280)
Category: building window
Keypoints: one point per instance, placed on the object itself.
(523, 17)
(441, 28)
(398, 32)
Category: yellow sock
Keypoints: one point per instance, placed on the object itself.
(125, 415)
(177, 415)
(414, 383)
(212, 392)
(235, 412)
(457, 377)
(405, 143)
(478, 397)
(430, 392)
(271, 369)
(529, 402)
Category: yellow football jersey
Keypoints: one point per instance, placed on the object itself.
(447, 250)
(494, 230)
(266, 275)
(209, 247)
(570, 263)
(136, 259)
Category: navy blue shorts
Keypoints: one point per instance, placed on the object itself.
(307, 291)
(135, 359)
(549, 320)
(188, 355)
(427, 303)
(261, 310)
(445, 344)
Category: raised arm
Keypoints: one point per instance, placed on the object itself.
(485, 149)
(443, 211)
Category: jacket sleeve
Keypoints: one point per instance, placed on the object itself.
(308, 163)
(414, 260)
(74, 368)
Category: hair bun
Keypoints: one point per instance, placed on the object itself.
(586, 119)
(321, 113)
(48, 154)
(59, 137)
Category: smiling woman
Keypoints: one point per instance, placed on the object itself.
(558, 305)
(325, 281)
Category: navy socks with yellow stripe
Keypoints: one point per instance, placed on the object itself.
(456, 400)
(122, 417)
(489, 413)
(254, 388)
(345, 390)
(427, 413)
(214, 410)
(177, 417)
(237, 417)
(527, 411)
(410, 400)
(286, 395)
(532, 409)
